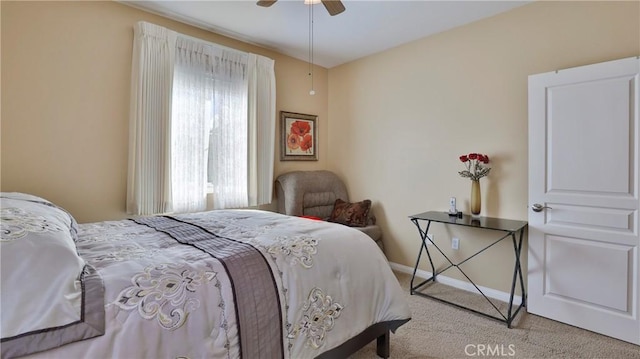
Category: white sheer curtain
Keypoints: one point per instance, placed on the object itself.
(228, 140)
(190, 125)
(213, 125)
(149, 171)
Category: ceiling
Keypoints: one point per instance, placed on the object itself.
(364, 28)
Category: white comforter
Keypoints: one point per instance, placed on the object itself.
(170, 300)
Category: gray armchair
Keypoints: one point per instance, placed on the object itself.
(313, 193)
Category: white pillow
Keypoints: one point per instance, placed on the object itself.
(41, 273)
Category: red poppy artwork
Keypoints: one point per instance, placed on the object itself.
(299, 135)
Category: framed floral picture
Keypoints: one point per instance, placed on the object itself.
(299, 134)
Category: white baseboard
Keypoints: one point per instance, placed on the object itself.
(456, 283)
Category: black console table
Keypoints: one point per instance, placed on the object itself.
(511, 228)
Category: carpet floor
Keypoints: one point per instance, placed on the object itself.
(439, 330)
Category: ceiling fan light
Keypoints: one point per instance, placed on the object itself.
(311, 2)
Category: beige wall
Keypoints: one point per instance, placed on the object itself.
(65, 100)
(401, 118)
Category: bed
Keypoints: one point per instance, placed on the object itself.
(217, 284)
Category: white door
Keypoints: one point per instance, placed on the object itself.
(583, 166)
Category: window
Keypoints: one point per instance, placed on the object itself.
(209, 127)
(218, 99)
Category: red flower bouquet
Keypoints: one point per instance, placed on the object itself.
(476, 166)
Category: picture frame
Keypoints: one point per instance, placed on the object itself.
(299, 137)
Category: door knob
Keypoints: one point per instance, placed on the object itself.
(537, 207)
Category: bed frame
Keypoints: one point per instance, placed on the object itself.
(380, 331)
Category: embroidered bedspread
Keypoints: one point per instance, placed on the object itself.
(233, 284)
(254, 288)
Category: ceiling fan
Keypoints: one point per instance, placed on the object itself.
(334, 7)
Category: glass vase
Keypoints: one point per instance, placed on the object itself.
(476, 201)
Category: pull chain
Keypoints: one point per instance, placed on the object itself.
(312, 92)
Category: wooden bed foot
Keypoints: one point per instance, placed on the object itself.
(383, 345)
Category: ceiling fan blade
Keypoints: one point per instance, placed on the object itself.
(266, 3)
(334, 7)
